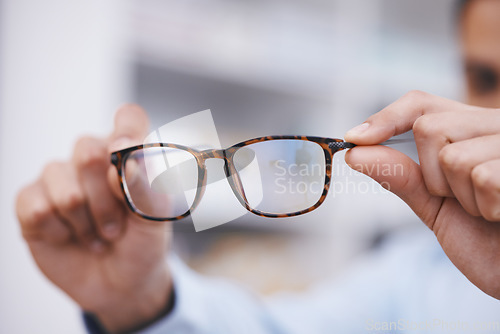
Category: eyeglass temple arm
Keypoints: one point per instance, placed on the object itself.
(342, 145)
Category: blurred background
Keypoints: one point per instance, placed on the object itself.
(315, 67)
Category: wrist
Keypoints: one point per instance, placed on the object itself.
(139, 308)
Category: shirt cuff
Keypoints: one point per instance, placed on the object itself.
(92, 324)
(204, 305)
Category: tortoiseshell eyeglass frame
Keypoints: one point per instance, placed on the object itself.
(329, 145)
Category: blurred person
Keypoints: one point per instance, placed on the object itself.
(114, 264)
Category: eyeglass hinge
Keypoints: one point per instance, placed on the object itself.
(114, 159)
(340, 145)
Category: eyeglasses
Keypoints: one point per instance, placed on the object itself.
(273, 176)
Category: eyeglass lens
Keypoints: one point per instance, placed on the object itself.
(161, 181)
(290, 172)
(275, 176)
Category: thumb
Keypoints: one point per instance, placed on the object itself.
(130, 127)
(399, 174)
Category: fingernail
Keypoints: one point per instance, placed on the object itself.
(358, 130)
(97, 246)
(111, 230)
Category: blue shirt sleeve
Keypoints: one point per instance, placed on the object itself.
(409, 282)
(213, 305)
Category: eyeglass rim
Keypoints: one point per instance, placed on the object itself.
(329, 145)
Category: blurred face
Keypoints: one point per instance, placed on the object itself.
(481, 44)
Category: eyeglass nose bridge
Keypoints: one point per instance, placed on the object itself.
(213, 154)
(217, 154)
(231, 173)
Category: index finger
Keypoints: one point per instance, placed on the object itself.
(399, 117)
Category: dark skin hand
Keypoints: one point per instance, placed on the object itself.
(85, 239)
(456, 188)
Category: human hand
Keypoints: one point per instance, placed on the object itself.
(456, 188)
(85, 239)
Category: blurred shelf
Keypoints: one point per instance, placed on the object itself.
(303, 48)
(288, 48)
